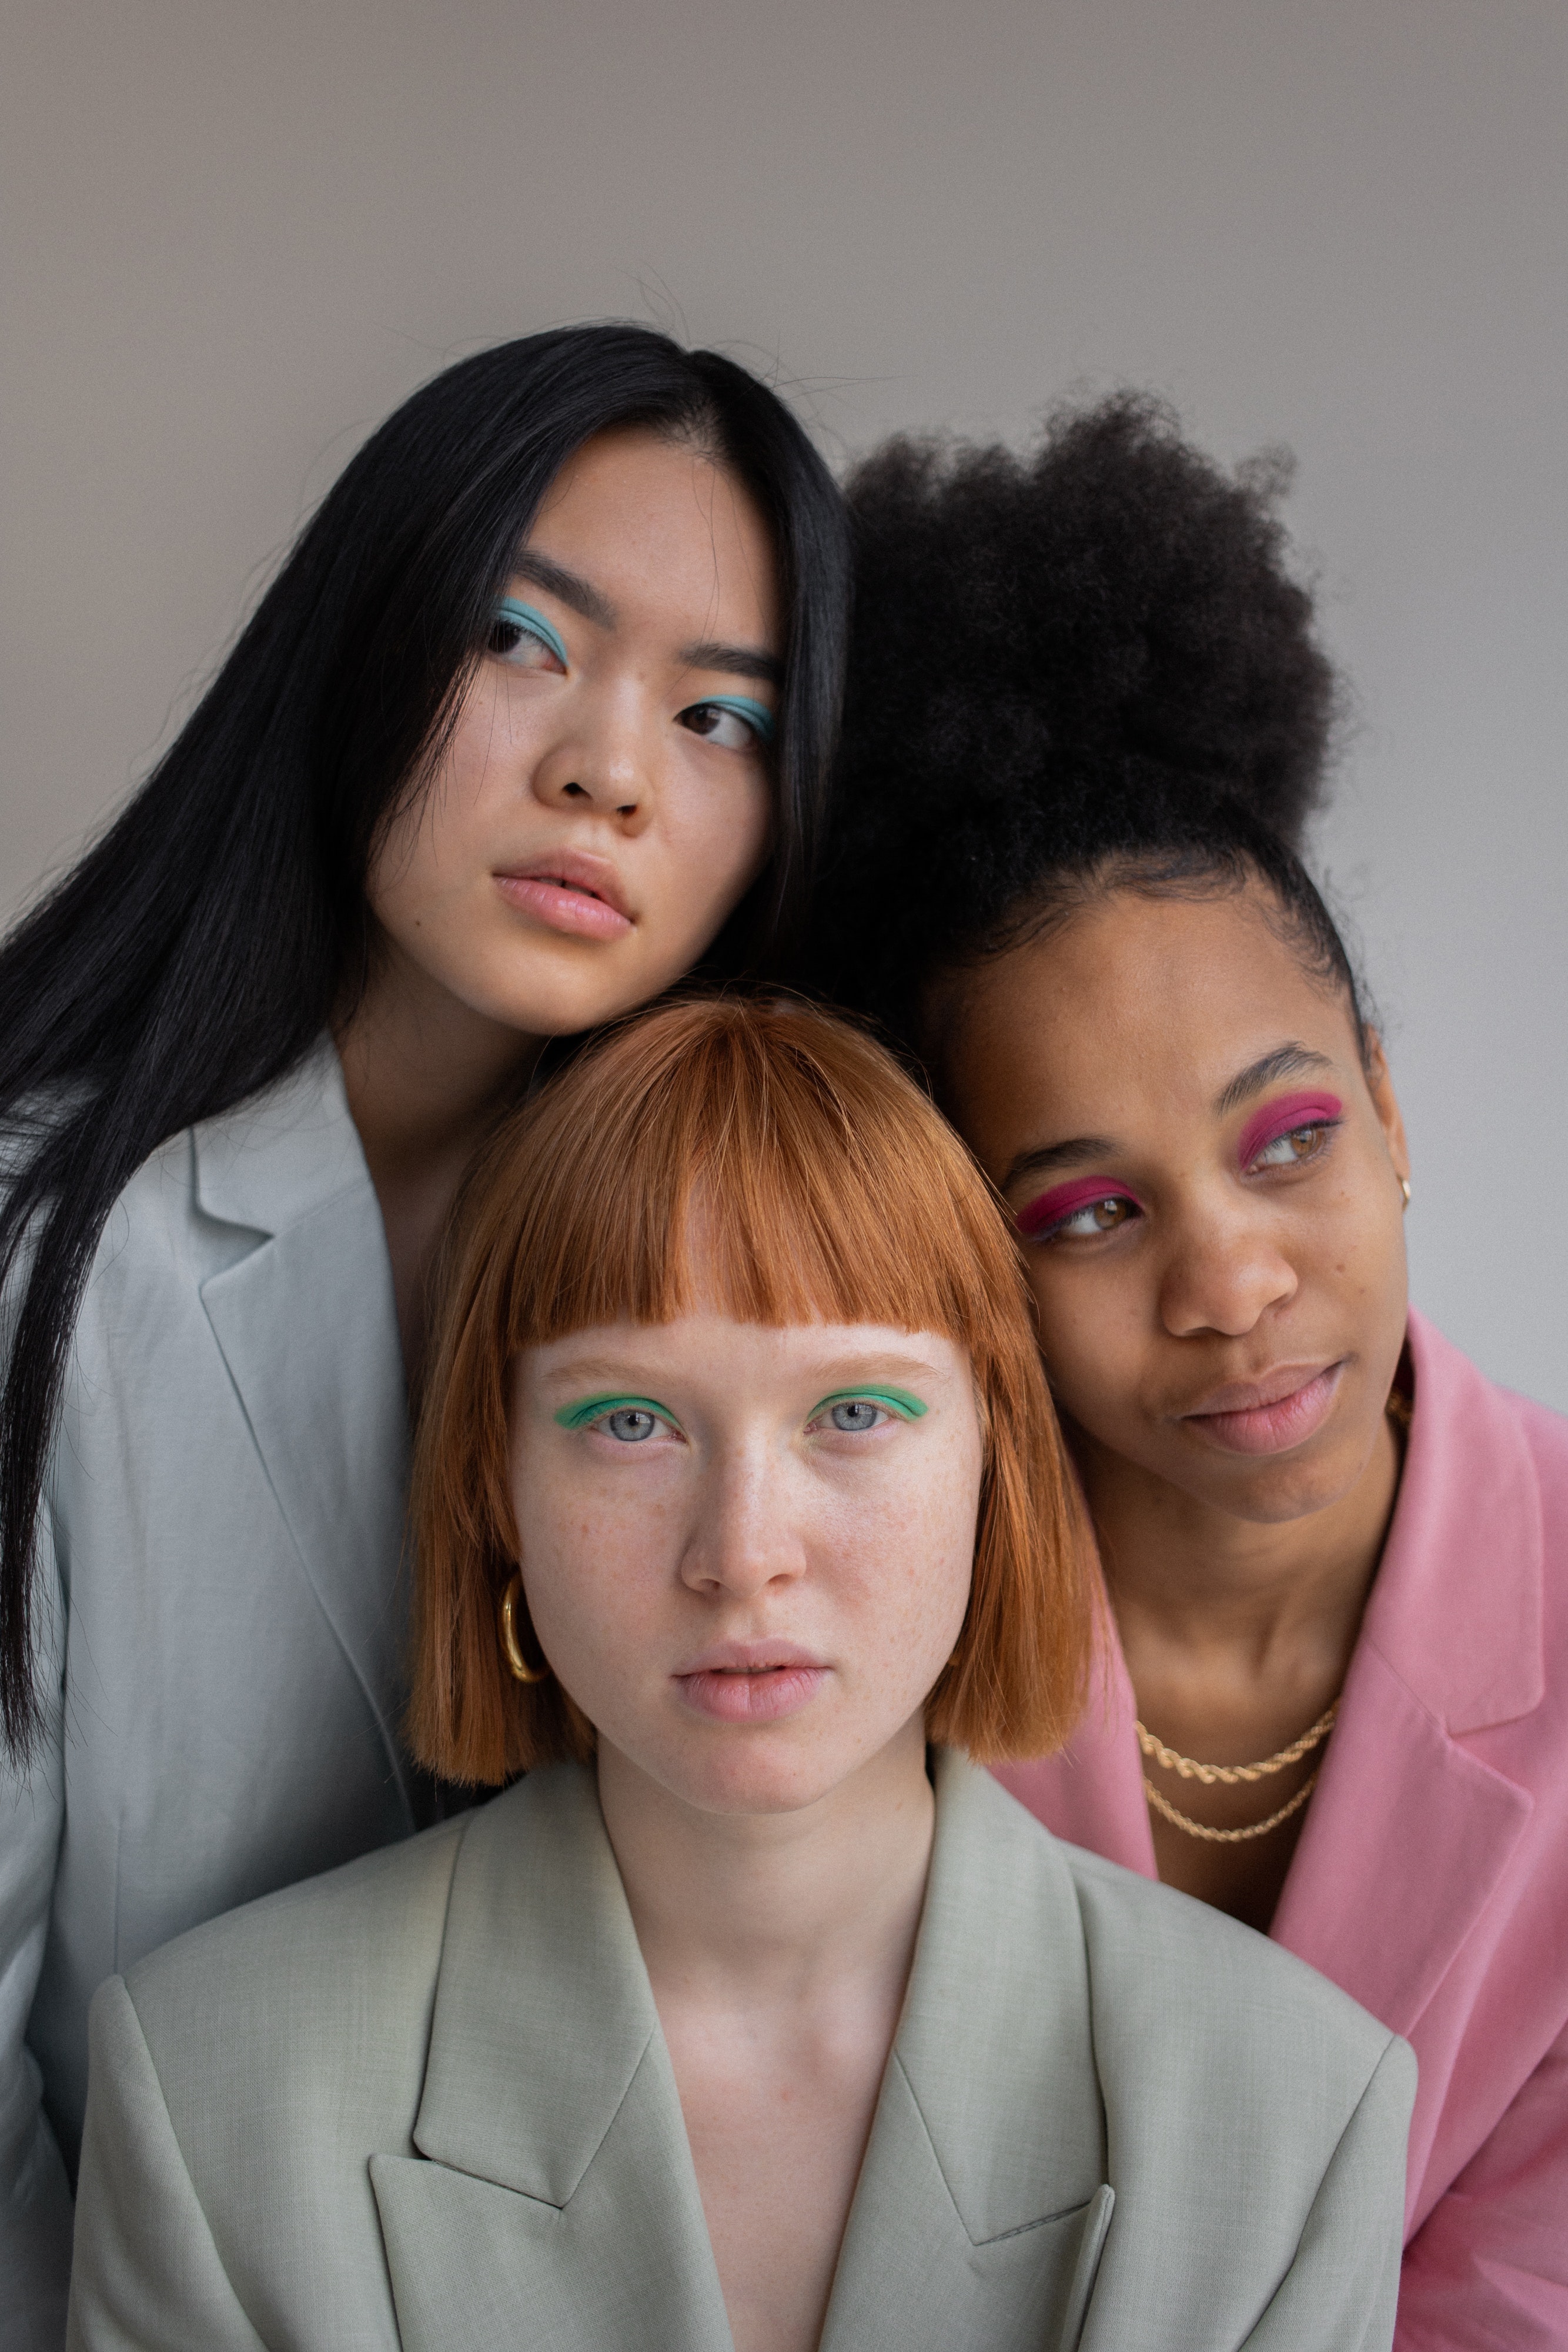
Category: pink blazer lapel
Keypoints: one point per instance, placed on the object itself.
(1409, 1831)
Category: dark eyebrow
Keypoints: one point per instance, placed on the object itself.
(580, 594)
(1285, 1062)
(1052, 1156)
(741, 661)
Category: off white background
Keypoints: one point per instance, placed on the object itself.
(235, 235)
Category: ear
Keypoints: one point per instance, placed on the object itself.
(1380, 1086)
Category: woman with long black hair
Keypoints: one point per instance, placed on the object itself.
(534, 720)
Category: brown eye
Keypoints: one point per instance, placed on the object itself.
(1290, 1149)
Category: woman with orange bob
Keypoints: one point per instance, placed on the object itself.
(753, 2014)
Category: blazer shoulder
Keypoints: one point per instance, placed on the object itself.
(1212, 1993)
(362, 1938)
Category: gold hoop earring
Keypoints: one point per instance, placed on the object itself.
(1404, 1188)
(509, 1642)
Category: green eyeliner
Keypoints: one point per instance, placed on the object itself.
(576, 1416)
(895, 1400)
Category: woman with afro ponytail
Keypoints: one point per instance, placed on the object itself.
(1088, 724)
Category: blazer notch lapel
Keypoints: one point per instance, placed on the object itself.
(981, 2205)
(1459, 1605)
(625, 2262)
(1385, 1916)
(911, 2274)
(544, 2017)
(307, 1329)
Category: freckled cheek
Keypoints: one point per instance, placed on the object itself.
(899, 1577)
(594, 1570)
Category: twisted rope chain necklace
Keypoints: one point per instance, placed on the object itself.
(1231, 1776)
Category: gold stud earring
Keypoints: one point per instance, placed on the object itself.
(1404, 1188)
(510, 1600)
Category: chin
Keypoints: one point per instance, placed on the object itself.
(755, 1780)
(1273, 1491)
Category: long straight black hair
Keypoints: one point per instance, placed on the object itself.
(196, 952)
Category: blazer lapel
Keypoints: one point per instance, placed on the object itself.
(1409, 1830)
(553, 2200)
(306, 1326)
(982, 2204)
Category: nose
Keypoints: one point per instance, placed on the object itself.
(603, 758)
(1225, 1272)
(742, 1537)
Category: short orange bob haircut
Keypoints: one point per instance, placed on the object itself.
(829, 1191)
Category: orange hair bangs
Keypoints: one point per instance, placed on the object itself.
(767, 1159)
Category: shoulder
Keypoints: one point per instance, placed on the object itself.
(1190, 2005)
(262, 1970)
(1211, 1998)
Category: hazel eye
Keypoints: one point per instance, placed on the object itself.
(1094, 1217)
(1295, 1147)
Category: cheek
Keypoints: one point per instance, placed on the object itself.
(595, 1570)
(1091, 1339)
(904, 1567)
(717, 843)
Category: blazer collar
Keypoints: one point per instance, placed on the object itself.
(556, 2202)
(305, 1320)
(556, 2198)
(981, 2208)
(1457, 1608)
(290, 1149)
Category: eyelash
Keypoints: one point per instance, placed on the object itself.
(1323, 1128)
(1054, 1231)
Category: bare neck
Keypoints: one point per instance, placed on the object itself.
(1185, 1575)
(774, 1910)
(425, 1077)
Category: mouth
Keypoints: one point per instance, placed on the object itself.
(751, 1682)
(569, 892)
(1282, 1409)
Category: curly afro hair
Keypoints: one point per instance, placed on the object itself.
(1089, 655)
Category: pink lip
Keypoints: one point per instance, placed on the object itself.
(752, 1682)
(569, 892)
(1271, 1415)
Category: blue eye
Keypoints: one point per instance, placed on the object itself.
(858, 1414)
(630, 1420)
(521, 635)
(735, 721)
(630, 1423)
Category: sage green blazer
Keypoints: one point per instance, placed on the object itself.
(425, 2102)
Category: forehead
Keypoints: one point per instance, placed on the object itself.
(632, 498)
(1135, 1007)
(718, 1348)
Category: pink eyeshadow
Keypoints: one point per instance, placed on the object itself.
(1063, 1198)
(1280, 1117)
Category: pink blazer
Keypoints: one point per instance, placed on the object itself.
(1431, 1879)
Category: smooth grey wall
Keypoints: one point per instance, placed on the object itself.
(235, 237)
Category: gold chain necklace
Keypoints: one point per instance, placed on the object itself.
(1399, 1412)
(1231, 1776)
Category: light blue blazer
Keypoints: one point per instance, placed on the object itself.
(220, 1623)
(425, 2105)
